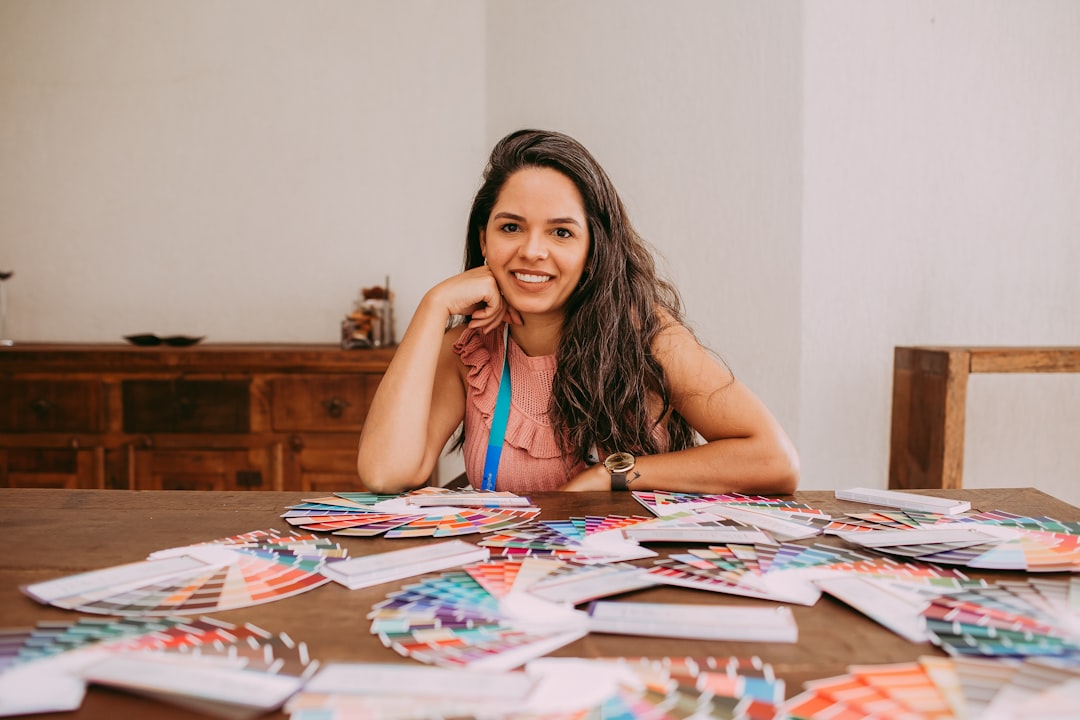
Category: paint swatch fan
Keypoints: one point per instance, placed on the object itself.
(233, 572)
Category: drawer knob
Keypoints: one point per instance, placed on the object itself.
(296, 443)
(335, 407)
(185, 408)
(41, 408)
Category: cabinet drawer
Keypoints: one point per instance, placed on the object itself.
(51, 468)
(200, 469)
(51, 406)
(322, 402)
(186, 406)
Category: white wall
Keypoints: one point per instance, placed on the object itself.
(941, 187)
(231, 169)
(823, 180)
(694, 110)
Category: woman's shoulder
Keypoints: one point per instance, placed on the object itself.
(673, 335)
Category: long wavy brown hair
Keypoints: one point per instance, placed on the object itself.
(606, 370)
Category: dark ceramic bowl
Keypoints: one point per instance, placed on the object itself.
(143, 339)
(181, 340)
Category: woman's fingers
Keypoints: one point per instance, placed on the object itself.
(476, 294)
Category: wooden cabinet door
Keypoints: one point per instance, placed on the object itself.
(323, 465)
(201, 469)
(186, 406)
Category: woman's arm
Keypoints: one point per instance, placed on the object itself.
(421, 397)
(745, 450)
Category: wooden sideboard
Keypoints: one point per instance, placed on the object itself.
(207, 417)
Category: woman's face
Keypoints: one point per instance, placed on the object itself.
(537, 240)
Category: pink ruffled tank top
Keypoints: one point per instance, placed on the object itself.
(531, 460)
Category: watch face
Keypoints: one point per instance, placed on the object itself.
(619, 462)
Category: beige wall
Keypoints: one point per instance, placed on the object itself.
(824, 180)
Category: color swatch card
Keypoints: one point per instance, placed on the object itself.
(695, 622)
(219, 668)
(548, 689)
(574, 584)
(374, 569)
(586, 539)
(425, 512)
(465, 497)
(238, 571)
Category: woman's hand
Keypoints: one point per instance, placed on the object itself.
(595, 478)
(475, 293)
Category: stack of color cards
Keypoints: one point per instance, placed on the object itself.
(233, 572)
(993, 540)
(216, 667)
(942, 689)
(412, 514)
(663, 502)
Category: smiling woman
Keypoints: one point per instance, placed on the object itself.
(559, 347)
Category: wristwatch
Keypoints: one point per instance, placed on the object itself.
(619, 464)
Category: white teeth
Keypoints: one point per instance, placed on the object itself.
(532, 278)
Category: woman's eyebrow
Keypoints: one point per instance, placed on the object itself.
(518, 218)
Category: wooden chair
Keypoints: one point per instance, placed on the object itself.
(928, 405)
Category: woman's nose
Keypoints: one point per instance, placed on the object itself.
(535, 246)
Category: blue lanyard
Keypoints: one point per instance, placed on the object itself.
(498, 420)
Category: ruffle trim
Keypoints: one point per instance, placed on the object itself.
(482, 354)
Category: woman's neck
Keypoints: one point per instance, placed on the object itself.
(539, 336)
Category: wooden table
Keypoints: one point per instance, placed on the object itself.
(52, 532)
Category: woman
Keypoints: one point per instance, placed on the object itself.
(604, 386)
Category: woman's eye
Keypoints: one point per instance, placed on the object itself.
(509, 227)
(563, 233)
